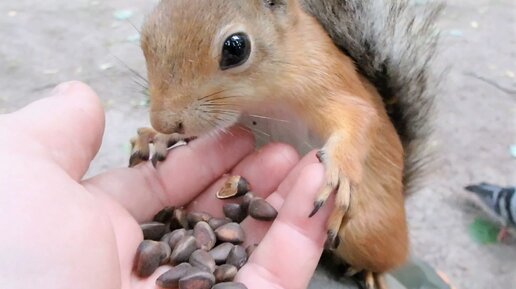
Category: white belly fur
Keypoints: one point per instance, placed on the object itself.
(280, 124)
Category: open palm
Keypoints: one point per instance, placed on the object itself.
(60, 231)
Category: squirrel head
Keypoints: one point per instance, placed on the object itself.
(208, 61)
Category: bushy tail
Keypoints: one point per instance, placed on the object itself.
(392, 43)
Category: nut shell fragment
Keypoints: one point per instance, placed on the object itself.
(235, 186)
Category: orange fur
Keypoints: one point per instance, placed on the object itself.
(294, 63)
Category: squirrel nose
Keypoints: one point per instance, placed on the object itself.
(179, 128)
(165, 125)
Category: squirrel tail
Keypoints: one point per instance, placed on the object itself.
(392, 44)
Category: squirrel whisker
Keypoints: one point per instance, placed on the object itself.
(268, 118)
(136, 73)
(213, 94)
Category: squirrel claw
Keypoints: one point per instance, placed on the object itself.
(332, 240)
(137, 158)
(374, 280)
(157, 157)
(317, 206)
(162, 142)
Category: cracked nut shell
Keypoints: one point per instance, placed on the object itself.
(235, 186)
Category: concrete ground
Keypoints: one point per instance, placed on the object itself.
(46, 42)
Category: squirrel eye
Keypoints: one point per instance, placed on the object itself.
(235, 51)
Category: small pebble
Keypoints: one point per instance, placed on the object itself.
(237, 257)
(456, 33)
(202, 260)
(133, 38)
(221, 252)
(170, 279)
(106, 66)
(123, 14)
(225, 273)
(512, 150)
(232, 233)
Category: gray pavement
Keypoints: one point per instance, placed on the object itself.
(46, 42)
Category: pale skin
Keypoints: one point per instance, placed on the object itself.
(59, 231)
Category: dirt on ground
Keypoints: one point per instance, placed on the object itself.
(47, 42)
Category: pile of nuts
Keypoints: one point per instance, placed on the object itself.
(205, 252)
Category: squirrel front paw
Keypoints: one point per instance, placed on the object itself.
(342, 176)
(140, 146)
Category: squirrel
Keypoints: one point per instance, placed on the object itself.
(354, 71)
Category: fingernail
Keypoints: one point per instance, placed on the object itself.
(61, 89)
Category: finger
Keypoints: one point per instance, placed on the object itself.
(264, 170)
(68, 127)
(288, 255)
(188, 170)
(257, 229)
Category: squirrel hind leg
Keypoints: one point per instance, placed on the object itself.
(375, 280)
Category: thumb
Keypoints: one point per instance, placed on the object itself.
(66, 127)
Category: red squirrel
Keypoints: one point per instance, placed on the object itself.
(355, 72)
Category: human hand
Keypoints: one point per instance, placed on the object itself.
(59, 231)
